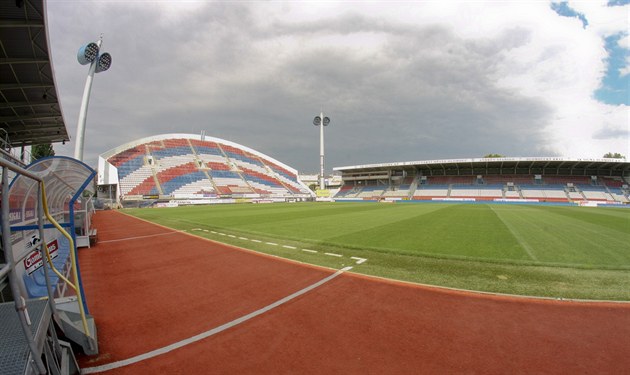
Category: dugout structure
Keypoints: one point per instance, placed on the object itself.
(534, 180)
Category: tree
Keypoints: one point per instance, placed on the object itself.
(616, 155)
(41, 151)
(493, 156)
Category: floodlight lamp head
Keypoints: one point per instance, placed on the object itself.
(317, 121)
(104, 62)
(87, 53)
(326, 121)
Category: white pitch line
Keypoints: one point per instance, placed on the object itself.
(334, 255)
(231, 236)
(213, 232)
(271, 243)
(214, 331)
(359, 260)
(205, 230)
(309, 250)
(138, 237)
(196, 229)
(289, 247)
(243, 238)
(221, 234)
(256, 241)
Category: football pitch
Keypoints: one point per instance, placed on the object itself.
(550, 251)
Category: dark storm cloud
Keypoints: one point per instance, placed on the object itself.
(424, 93)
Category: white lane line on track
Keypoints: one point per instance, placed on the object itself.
(138, 237)
(201, 336)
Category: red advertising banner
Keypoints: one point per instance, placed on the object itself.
(34, 260)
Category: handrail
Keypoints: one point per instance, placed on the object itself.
(20, 304)
(73, 259)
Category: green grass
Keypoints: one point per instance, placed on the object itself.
(552, 251)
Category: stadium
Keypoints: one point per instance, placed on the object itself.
(185, 253)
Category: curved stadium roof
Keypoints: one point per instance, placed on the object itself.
(185, 164)
(162, 137)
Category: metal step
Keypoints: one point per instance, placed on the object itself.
(72, 327)
(69, 363)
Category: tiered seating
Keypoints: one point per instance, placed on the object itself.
(563, 180)
(370, 192)
(611, 182)
(504, 179)
(264, 182)
(401, 191)
(447, 180)
(479, 192)
(288, 178)
(228, 182)
(544, 193)
(346, 191)
(145, 187)
(491, 188)
(431, 191)
(184, 166)
(128, 160)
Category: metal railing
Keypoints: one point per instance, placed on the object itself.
(8, 269)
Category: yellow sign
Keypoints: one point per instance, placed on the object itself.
(322, 193)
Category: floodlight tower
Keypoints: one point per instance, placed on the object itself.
(89, 54)
(321, 121)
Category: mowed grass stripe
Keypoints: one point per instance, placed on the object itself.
(453, 231)
(580, 252)
(326, 229)
(501, 233)
(562, 240)
(609, 218)
(522, 241)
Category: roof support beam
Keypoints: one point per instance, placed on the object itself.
(21, 23)
(23, 60)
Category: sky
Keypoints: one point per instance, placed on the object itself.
(399, 80)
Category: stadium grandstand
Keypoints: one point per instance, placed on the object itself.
(195, 169)
(516, 180)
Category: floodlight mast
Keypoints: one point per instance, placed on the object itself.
(89, 54)
(321, 121)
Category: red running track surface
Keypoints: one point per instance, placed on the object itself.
(148, 287)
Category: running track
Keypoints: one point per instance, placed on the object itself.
(149, 287)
